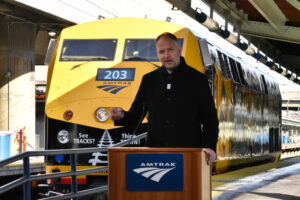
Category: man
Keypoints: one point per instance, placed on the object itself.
(178, 99)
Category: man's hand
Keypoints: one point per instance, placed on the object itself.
(210, 155)
(116, 114)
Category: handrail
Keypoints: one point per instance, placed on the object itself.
(27, 178)
(23, 180)
(79, 194)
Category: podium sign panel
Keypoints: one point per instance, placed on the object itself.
(154, 172)
(141, 173)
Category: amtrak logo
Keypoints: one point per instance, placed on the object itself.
(113, 89)
(157, 173)
(154, 172)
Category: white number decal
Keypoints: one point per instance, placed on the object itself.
(123, 74)
(108, 75)
(116, 74)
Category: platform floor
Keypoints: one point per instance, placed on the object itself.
(271, 181)
(16, 168)
(280, 180)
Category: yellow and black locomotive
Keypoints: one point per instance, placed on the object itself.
(99, 65)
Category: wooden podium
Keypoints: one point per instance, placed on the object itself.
(196, 174)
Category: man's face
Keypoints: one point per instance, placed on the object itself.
(168, 52)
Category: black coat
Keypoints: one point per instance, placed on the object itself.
(183, 115)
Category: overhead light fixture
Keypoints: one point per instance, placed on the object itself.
(208, 22)
(272, 65)
(247, 48)
(258, 56)
(279, 70)
(52, 33)
(292, 78)
(288, 75)
(230, 37)
(263, 59)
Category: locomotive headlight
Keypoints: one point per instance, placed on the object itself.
(63, 136)
(102, 114)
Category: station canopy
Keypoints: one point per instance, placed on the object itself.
(271, 25)
(20, 12)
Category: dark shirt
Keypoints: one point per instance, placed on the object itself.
(181, 110)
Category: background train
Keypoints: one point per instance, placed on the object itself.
(99, 65)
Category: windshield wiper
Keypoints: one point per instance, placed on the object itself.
(135, 58)
(155, 65)
(99, 58)
(75, 66)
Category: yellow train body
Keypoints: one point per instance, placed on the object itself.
(75, 88)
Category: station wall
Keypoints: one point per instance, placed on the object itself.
(17, 82)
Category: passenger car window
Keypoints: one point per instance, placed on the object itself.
(224, 65)
(241, 73)
(234, 70)
(264, 84)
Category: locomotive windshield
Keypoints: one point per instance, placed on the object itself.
(88, 50)
(142, 50)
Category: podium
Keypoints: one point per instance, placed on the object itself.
(142, 173)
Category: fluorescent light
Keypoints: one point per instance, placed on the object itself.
(208, 22)
(51, 33)
(230, 37)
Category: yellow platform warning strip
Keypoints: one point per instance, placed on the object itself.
(224, 184)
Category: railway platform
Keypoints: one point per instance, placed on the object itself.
(16, 168)
(279, 180)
